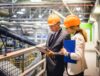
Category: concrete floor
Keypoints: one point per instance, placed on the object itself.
(91, 62)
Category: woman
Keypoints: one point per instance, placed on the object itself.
(72, 23)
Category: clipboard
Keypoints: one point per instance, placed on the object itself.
(43, 50)
(69, 45)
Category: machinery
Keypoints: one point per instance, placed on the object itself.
(6, 34)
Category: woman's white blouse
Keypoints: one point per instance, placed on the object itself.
(79, 55)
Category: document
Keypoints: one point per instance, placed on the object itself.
(42, 49)
(46, 50)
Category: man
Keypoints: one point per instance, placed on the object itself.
(55, 63)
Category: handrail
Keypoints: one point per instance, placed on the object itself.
(20, 52)
(96, 48)
(97, 52)
(33, 67)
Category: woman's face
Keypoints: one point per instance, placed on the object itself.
(72, 30)
(69, 30)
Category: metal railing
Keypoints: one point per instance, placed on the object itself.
(35, 66)
(25, 62)
(98, 56)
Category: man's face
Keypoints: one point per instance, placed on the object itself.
(54, 28)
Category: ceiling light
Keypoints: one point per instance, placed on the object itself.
(26, 21)
(20, 12)
(80, 15)
(14, 16)
(81, 18)
(78, 8)
(73, 1)
(35, 0)
(23, 9)
(97, 10)
(14, 1)
(40, 16)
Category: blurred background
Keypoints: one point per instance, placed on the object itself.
(23, 24)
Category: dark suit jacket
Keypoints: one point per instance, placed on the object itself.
(57, 44)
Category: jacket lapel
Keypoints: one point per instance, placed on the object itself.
(52, 40)
(56, 38)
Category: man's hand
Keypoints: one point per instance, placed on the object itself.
(50, 53)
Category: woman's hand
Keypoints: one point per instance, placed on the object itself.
(63, 52)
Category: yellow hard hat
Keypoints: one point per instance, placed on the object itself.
(53, 19)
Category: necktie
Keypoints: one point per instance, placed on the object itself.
(51, 39)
